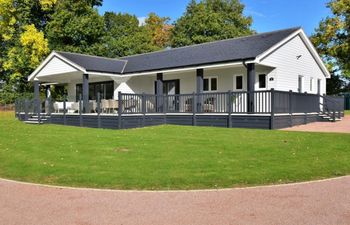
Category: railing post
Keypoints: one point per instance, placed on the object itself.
(333, 115)
(26, 109)
(229, 110)
(64, 110)
(272, 119)
(194, 109)
(143, 108)
(81, 108)
(98, 106)
(290, 95)
(120, 109)
(165, 103)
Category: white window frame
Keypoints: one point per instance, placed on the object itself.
(235, 82)
(209, 83)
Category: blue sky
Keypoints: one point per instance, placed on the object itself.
(267, 15)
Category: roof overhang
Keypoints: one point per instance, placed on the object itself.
(308, 44)
(47, 68)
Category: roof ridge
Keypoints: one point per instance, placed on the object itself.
(95, 56)
(206, 43)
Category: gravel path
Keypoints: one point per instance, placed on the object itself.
(338, 127)
(320, 202)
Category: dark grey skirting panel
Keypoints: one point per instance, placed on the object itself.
(135, 121)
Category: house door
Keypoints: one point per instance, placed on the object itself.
(171, 88)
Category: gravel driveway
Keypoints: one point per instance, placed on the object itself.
(320, 202)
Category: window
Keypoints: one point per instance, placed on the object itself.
(311, 84)
(300, 84)
(210, 84)
(262, 80)
(106, 90)
(239, 82)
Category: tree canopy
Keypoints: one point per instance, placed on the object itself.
(30, 29)
(210, 20)
(332, 38)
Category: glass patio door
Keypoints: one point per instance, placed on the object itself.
(170, 89)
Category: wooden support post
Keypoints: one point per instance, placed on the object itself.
(98, 106)
(86, 93)
(49, 112)
(160, 93)
(229, 108)
(194, 109)
(200, 87)
(250, 86)
(272, 120)
(120, 109)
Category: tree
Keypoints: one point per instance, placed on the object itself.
(332, 37)
(23, 45)
(75, 26)
(23, 58)
(335, 85)
(159, 29)
(124, 36)
(211, 20)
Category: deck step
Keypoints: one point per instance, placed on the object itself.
(36, 119)
(33, 122)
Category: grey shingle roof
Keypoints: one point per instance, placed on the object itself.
(95, 63)
(229, 50)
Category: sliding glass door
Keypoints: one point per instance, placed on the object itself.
(106, 90)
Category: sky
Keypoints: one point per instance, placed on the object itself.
(268, 15)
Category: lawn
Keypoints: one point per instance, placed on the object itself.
(167, 157)
(347, 112)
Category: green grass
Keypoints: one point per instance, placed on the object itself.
(167, 157)
(347, 112)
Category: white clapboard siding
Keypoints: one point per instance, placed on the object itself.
(56, 66)
(288, 67)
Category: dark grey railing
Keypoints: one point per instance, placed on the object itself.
(333, 106)
(269, 102)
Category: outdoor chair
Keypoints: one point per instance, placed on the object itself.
(56, 108)
(208, 105)
(105, 105)
(93, 106)
(113, 105)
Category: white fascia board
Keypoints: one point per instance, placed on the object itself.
(314, 52)
(47, 60)
(309, 45)
(184, 69)
(103, 74)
